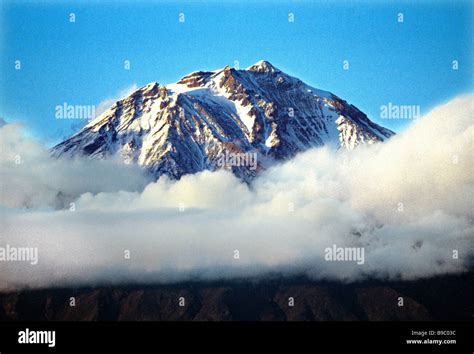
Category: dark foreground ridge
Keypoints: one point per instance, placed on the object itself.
(442, 298)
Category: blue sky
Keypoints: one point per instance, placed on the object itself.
(82, 63)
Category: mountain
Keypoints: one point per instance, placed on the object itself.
(241, 120)
(267, 300)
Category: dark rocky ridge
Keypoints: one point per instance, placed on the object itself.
(440, 298)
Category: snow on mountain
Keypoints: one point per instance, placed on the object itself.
(209, 116)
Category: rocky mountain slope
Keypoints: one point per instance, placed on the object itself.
(240, 120)
(441, 298)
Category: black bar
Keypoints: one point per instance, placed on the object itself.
(134, 337)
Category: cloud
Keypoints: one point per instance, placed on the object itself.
(407, 203)
(105, 104)
(32, 179)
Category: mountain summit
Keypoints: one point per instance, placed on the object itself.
(263, 66)
(188, 126)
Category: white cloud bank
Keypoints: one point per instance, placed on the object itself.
(351, 199)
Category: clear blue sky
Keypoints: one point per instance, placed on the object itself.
(82, 62)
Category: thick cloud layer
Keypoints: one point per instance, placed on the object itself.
(31, 179)
(407, 203)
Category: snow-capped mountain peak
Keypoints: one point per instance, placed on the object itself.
(207, 116)
(263, 66)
